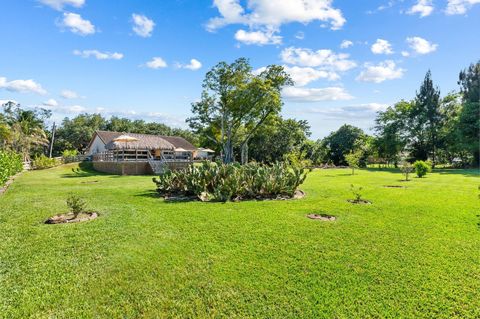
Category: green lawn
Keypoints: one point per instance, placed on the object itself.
(414, 253)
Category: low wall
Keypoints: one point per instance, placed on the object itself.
(125, 168)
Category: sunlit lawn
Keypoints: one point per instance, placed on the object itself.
(413, 253)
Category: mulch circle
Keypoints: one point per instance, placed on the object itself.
(89, 182)
(68, 218)
(394, 186)
(360, 202)
(322, 217)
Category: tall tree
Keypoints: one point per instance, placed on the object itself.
(427, 118)
(345, 140)
(235, 103)
(469, 121)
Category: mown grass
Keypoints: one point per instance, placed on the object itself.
(414, 253)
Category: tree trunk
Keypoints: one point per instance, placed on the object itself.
(245, 152)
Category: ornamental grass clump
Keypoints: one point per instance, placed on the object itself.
(224, 182)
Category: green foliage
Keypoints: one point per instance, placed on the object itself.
(353, 160)
(224, 182)
(69, 153)
(10, 164)
(43, 162)
(343, 141)
(406, 169)
(76, 204)
(421, 168)
(357, 192)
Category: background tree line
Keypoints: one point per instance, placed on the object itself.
(239, 116)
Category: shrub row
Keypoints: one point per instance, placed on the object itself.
(223, 182)
(43, 162)
(10, 164)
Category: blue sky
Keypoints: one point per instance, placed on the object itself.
(146, 59)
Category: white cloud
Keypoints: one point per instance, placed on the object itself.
(98, 55)
(405, 54)
(156, 63)
(193, 65)
(3, 102)
(142, 25)
(60, 4)
(320, 58)
(358, 111)
(22, 86)
(460, 6)
(77, 24)
(305, 75)
(68, 94)
(421, 46)
(300, 35)
(257, 37)
(272, 14)
(316, 94)
(346, 44)
(50, 102)
(422, 7)
(383, 71)
(382, 46)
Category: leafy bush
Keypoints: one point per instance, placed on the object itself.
(406, 169)
(10, 164)
(76, 205)
(43, 162)
(422, 168)
(224, 182)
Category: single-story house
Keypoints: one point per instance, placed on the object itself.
(138, 154)
(203, 154)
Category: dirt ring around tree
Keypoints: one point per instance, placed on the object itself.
(394, 186)
(359, 201)
(322, 217)
(69, 218)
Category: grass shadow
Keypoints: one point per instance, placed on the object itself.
(85, 169)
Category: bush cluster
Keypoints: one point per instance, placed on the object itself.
(223, 182)
(10, 164)
(43, 162)
(422, 168)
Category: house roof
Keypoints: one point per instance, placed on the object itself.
(145, 141)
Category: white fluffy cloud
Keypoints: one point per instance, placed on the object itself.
(460, 6)
(257, 37)
(69, 94)
(382, 46)
(142, 25)
(421, 46)
(321, 58)
(60, 4)
(422, 7)
(50, 102)
(156, 63)
(99, 55)
(305, 75)
(316, 94)
(22, 86)
(357, 111)
(346, 44)
(378, 73)
(272, 14)
(76, 24)
(193, 65)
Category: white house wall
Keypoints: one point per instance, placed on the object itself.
(97, 146)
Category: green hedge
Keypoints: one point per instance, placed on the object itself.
(224, 182)
(10, 164)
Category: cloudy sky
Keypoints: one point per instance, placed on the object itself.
(146, 59)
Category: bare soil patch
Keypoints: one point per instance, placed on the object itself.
(70, 218)
(394, 186)
(89, 182)
(322, 217)
(359, 201)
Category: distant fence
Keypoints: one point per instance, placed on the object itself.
(76, 158)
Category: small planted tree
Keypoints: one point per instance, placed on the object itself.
(421, 168)
(76, 204)
(353, 160)
(357, 192)
(406, 169)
